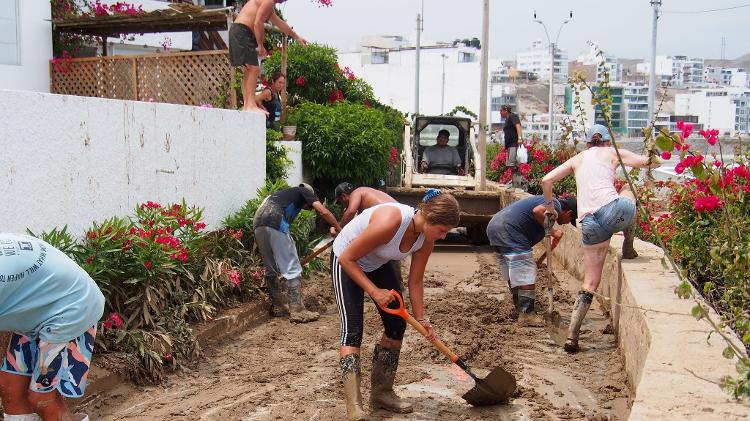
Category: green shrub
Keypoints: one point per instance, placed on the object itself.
(318, 66)
(343, 142)
(277, 162)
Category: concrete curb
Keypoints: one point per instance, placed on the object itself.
(231, 321)
(671, 364)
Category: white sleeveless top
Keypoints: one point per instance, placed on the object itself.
(595, 182)
(383, 253)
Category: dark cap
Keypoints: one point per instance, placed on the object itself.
(506, 107)
(569, 203)
(342, 188)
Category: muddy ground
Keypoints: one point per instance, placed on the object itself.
(283, 371)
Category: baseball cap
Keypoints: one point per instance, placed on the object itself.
(569, 203)
(342, 188)
(598, 129)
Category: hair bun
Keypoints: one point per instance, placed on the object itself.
(431, 193)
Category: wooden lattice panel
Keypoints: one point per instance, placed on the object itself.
(181, 78)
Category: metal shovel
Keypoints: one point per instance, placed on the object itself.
(494, 389)
(553, 322)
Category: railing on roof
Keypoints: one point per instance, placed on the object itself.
(191, 78)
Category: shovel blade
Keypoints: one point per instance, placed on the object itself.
(555, 327)
(494, 389)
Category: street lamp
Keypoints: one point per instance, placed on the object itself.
(552, 71)
(442, 92)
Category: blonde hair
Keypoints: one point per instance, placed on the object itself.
(441, 209)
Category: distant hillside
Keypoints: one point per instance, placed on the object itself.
(743, 62)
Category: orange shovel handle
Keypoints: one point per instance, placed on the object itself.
(401, 312)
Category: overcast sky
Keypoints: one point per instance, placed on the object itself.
(620, 27)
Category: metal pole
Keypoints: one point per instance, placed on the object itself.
(442, 92)
(483, 96)
(416, 59)
(551, 93)
(652, 76)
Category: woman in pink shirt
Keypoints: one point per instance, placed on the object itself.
(601, 210)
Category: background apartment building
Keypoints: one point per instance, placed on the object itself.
(678, 71)
(539, 61)
(726, 109)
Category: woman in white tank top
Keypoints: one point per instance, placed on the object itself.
(601, 210)
(362, 253)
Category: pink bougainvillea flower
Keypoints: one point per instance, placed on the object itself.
(300, 81)
(707, 204)
(234, 278)
(525, 169)
(666, 155)
(711, 135)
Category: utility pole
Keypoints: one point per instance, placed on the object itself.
(552, 44)
(652, 76)
(442, 92)
(420, 27)
(483, 96)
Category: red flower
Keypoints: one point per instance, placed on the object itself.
(666, 155)
(525, 169)
(538, 155)
(90, 259)
(234, 278)
(147, 264)
(300, 81)
(711, 136)
(549, 167)
(394, 155)
(707, 204)
(168, 357)
(367, 104)
(238, 235)
(507, 175)
(115, 320)
(685, 128)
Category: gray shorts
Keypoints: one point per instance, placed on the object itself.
(278, 252)
(243, 48)
(613, 217)
(512, 159)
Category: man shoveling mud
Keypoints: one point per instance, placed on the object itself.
(513, 232)
(246, 44)
(271, 226)
(52, 306)
(359, 199)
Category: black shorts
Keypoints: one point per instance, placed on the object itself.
(350, 299)
(243, 48)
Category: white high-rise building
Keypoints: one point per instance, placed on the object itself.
(678, 71)
(727, 76)
(538, 60)
(726, 109)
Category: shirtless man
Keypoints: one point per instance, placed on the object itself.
(246, 44)
(359, 199)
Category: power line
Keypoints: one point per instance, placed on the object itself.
(704, 11)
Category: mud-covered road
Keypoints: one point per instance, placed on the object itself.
(283, 371)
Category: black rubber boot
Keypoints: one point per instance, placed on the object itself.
(278, 309)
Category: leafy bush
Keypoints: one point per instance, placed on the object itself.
(343, 142)
(277, 162)
(542, 159)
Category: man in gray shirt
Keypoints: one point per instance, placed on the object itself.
(441, 158)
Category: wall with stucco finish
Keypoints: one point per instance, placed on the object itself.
(73, 160)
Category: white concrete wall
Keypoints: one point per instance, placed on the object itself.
(35, 38)
(294, 153)
(73, 160)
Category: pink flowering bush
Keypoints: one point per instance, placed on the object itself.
(542, 159)
(706, 226)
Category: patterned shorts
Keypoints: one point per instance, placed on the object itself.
(62, 367)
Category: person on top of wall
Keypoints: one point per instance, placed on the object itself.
(601, 210)
(271, 226)
(52, 306)
(246, 44)
(361, 256)
(513, 232)
(270, 99)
